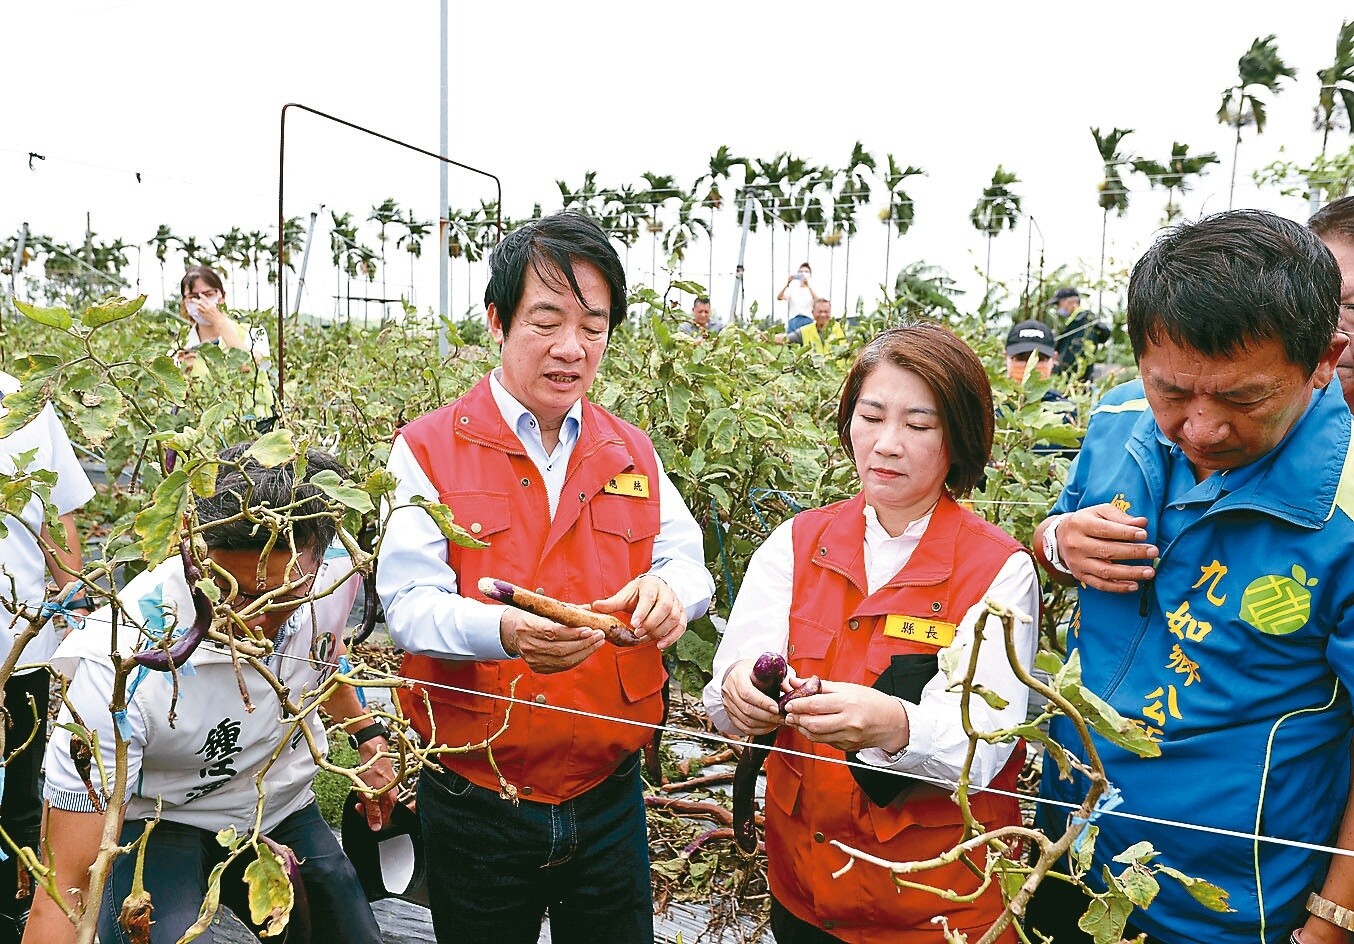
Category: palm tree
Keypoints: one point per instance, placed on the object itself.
(383, 214)
(900, 212)
(620, 217)
(706, 192)
(997, 209)
(765, 189)
(1112, 189)
(194, 253)
(161, 241)
(587, 198)
(1260, 66)
(680, 235)
(853, 194)
(922, 290)
(1175, 173)
(1336, 79)
(342, 243)
(411, 241)
(662, 188)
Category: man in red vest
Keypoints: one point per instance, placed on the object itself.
(573, 503)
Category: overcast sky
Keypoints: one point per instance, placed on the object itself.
(188, 95)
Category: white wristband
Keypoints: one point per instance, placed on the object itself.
(1051, 546)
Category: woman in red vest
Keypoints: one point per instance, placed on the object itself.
(866, 594)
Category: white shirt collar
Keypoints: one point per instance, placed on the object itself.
(523, 422)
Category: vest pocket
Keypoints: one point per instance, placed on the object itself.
(641, 672)
(783, 778)
(631, 519)
(480, 513)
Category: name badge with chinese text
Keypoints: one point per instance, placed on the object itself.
(919, 629)
(628, 484)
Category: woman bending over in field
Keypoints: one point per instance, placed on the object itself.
(865, 594)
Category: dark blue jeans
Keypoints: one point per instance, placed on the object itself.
(494, 869)
(180, 858)
(21, 807)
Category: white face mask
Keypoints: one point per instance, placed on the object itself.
(196, 313)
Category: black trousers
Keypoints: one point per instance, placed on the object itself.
(21, 805)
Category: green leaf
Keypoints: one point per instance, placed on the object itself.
(381, 483)
(168, 375)
(24, 404)
(270, 891)
(58, 318)
(446, 523)
(211, 903)
(158, 524)
(273, 449)
(110, 310)
(1107, 722)
(691, 288)
(1139, 886)
(1205, 893)
(1084, 855)
(1140, 853)
(202, 478)
(98, 411)
(332, 484)
(1104, 920)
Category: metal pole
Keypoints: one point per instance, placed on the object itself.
(305, 258)
(742, 253)
(443, 206)
(18, 258)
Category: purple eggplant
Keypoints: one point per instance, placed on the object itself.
(371, 607)
(161, 658)
(802, 687)
(298, 923)
(768, 672)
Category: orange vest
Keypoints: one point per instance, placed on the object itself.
(597, 542)
(836, 632)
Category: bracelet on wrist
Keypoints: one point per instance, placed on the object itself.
(363, 735)
(1327, 910)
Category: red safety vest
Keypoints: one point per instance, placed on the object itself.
(602, 537)
(837, 633)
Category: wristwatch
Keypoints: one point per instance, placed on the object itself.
(1328, 910)
(374, 730)
(1051, 546)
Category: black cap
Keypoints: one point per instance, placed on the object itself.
(1065, 293)
(1030, 336)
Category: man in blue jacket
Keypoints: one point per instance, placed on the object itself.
(1210, 522)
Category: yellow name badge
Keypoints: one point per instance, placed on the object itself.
(628, 484)
(919, 629)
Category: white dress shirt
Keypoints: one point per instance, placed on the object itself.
(760, 622)
(424, 609)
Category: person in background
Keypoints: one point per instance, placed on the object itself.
(1334, 223)
(206, 771)
(27, 551)
(699, 325)
(1208, 523)
(821, 335)
(867, 594)
(1031, 343)
(1079, 327)
(799, 297)
(202, 305)
(573, 503)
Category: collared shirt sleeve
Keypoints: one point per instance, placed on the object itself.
(938, 745)
(760, 621)
(90, 692)
(679, 551)
(72, 489)
(424, 609)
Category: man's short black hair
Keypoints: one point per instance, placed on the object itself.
(1232, 279)
(241, 483)
(701, 300)
(1335, 219)
(552, 246)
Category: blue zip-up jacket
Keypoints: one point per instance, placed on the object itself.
(1233, 659)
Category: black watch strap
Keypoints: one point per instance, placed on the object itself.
(361, 736)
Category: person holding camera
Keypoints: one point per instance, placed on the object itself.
(799, 297)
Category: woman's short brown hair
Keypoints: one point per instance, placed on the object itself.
(956, 377)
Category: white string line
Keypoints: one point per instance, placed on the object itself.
(739, 742)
